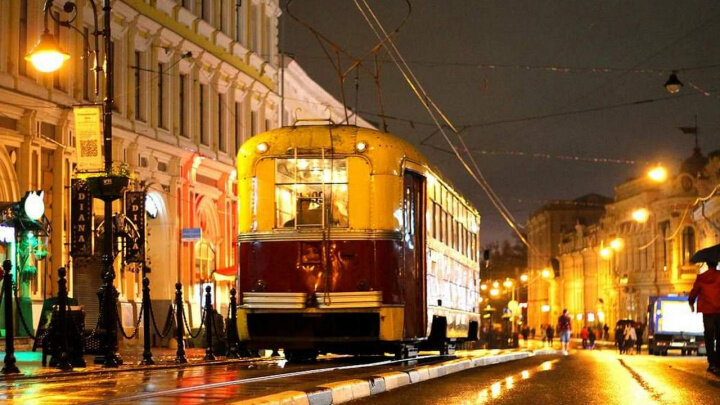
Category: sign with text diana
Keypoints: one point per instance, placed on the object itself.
(81, 220)
(88, 134)
(135, 212)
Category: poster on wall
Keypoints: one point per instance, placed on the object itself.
(81, 220)
(89, 139)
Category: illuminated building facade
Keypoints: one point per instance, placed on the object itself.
(193, 80)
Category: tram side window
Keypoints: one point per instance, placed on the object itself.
(304, 186)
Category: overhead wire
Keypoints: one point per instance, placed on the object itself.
(432, 110)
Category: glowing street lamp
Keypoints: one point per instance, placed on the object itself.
(508, 283)
(47, 56)
(545, 273)
(494, 292)
(605, 253)
(483, 287)
(524, 278)
(616, 244)
(640, 215)
(658, 174)
(673, 84)
(495, 284)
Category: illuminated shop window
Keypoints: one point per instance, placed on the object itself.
(303, 186)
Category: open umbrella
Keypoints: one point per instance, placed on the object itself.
(709, 254)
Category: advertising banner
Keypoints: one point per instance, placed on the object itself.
(135, 212)
(88, 135)
(81, 220)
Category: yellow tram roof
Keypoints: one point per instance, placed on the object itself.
(386, 151)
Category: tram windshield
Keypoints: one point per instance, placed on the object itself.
(303, 187)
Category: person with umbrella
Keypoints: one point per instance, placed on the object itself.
(706, 290)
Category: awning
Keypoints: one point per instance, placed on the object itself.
(226, 273)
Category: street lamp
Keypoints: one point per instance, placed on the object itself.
(616, 244)
(658, 174)
(545, 273)
(673, 84)
(49, 57)
(641, 215)
(524, 278)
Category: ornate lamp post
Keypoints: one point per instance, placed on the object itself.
(48, 57)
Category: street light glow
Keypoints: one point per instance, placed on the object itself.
(524, 278)
(494, 292)
(545, 273)
(47, 56)
(496, 284)
(616, 243)
(658, 174)
(641, 215)
(605, 253)
(483, 287)
(508, 283)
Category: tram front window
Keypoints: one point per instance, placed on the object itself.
(304, 186)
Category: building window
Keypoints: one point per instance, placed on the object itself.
(161, 96)
(302, 188)
(23, 37)
(253, 123)
(238, 125)
(267, 38)
(222, 144)
(182, 116)
(688, 244)
(203, 111)
(238, 21)
(139, 91)
(86, 69)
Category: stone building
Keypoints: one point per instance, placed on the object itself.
(193, 80)
(640, 247)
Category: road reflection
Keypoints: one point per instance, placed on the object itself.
(504, 384)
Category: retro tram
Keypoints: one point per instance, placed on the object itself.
(350, 242)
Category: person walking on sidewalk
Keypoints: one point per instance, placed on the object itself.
(606, 335)
(706, 291)
(565, 329)
(549, 335)
(591, 338)
(584, 336)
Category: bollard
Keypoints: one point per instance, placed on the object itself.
(232, 335)
(147, 354)
(209, 325)
(63, 361)
(9, 367)
(180, 356)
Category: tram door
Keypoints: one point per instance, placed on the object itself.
(413, 276)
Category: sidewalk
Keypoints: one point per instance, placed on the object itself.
(30, 364)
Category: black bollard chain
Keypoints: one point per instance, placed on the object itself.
(20, 314)
(187, 327)
(137, 324)
(168, 322)
(179, 313)
(209, 325)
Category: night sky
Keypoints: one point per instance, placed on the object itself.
(523, 105)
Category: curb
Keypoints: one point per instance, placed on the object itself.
(348, 390)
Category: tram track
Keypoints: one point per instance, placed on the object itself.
(264, 378)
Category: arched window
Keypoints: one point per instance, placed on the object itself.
(688, 244)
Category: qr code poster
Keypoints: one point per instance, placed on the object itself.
(88, 136)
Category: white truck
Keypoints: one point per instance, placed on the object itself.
(673, 326)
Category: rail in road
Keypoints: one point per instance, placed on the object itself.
(199, 384)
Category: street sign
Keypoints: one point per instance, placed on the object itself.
(81, 219)
(135, 211)
(191, 234)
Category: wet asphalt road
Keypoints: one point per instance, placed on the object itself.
(176, 386)
(583, 377)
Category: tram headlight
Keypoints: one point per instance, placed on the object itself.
(361, 146)
(262, 147)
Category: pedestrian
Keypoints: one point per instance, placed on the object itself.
(606, 329)
(630, 338)
(565, 329)
(620, 337)
(638, 343)
(549, 334)
(525, 334)
(706, 291)
(584, 336)
(591, 338)
(532, 332)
